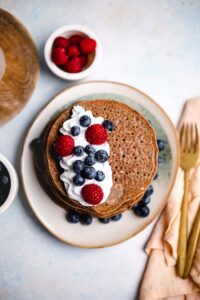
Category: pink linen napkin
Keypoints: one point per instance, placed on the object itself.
(160, 280)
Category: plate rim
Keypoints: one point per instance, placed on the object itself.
(161, 207)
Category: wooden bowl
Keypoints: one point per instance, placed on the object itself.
(19, 66)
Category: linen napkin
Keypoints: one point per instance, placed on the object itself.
(160, 280)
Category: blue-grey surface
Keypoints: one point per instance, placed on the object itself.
(153, 45)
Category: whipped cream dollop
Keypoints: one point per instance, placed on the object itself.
(74, 191)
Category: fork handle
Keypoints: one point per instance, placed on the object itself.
(183, 229)
(192, 243)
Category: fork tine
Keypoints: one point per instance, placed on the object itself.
(192, 137)
(182, 136)
(187, 139)
(196, 145)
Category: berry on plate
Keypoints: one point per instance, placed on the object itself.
(90, 150)
(90, 160)
(59, 56)
(108, 125)
(78, 150)
(85, 121)
(86, 219)
(89, 172)
(101, 156)
(73, 66)
(73, 217)
(88, 45)
(92, 193)
(64, 145)
(78, 166)
(75, 130)
(73, 51)
(60, 41)
(100, 176)
(75, 39)
(96, 134)
(78, 180)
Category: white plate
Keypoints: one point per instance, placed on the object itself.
(97, 234)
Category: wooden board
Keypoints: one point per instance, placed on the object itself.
(22, 66)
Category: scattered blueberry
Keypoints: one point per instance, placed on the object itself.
(161, 145)
(160, 160)
(86, 219)
(78, 166)
(141, 211)
(78, 180)
(89, 172)
(78, 150)
(73, 217)
(149, 191)
(116, 217)
(85, 121)
(89, 149)
(104, 220)
(145, 200)
(101, 156)
(34, 144)
(108, 125)
(90, 160)
(156, 176)
(100, 176)
(75, 130)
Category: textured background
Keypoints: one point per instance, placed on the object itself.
(152, 45)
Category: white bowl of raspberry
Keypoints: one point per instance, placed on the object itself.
(72, 52)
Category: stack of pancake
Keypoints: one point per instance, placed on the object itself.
(133, 158)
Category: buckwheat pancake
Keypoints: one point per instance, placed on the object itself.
(133, 158)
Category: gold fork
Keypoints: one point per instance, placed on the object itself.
(189, 147)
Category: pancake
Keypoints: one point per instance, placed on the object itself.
(133, 158)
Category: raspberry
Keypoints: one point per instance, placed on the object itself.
(96, 134)
(73, 66)
(59, 56)
(84, 60)
(61, 42)
(75, 39)
(88, 45)
(73, 51)
(92, 193)
(64, 145)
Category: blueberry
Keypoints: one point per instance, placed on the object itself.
(85, 121)
(108, 125)
(160, 160)
(149, 191)
(161, 144)
(78, 180)
(116, 217)
(78, 150)
(73, 217)
(90, 160)
(104, 220)
(145, 200)
(156, 176)
(100, 176)
(101, 156)
(89, 172)
(141, 211)
(89, 149)
(86, 219)
(4, 179)
(78, 166)
(35, 144)
(75, 130)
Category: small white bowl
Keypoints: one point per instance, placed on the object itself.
(14, 184)
(67, 31)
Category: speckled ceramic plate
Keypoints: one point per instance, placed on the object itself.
(97, 234)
